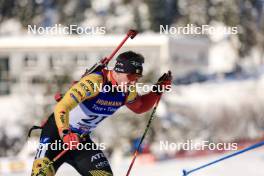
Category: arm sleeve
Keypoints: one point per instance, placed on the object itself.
(143, 103)
(88, 87)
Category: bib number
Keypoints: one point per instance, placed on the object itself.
(94, 120)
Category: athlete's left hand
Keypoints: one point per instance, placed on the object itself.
(72, 140)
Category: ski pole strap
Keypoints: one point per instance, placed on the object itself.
(185, 173)
(33, 128)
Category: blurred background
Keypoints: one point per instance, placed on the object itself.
(218, 79)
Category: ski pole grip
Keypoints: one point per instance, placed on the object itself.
(132, 33)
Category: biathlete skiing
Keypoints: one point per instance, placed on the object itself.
(84, 106)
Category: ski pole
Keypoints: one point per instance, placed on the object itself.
(103, 62)
(43, 171)
(185, 172)
(143, 136)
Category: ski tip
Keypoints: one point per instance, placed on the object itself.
(184, 172)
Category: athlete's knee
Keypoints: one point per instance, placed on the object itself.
(101, 173)
(101, 167)
(41, 167)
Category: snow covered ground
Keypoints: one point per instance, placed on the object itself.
(247, 164)
(250, 163)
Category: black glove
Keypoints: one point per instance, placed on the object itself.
(163, 84)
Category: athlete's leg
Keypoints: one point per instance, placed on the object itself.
(45, 153)
(91, 162)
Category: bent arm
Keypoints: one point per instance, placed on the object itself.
(86, 88)
(143, 103)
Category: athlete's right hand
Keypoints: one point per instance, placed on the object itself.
(163, 84)
(71, 139)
